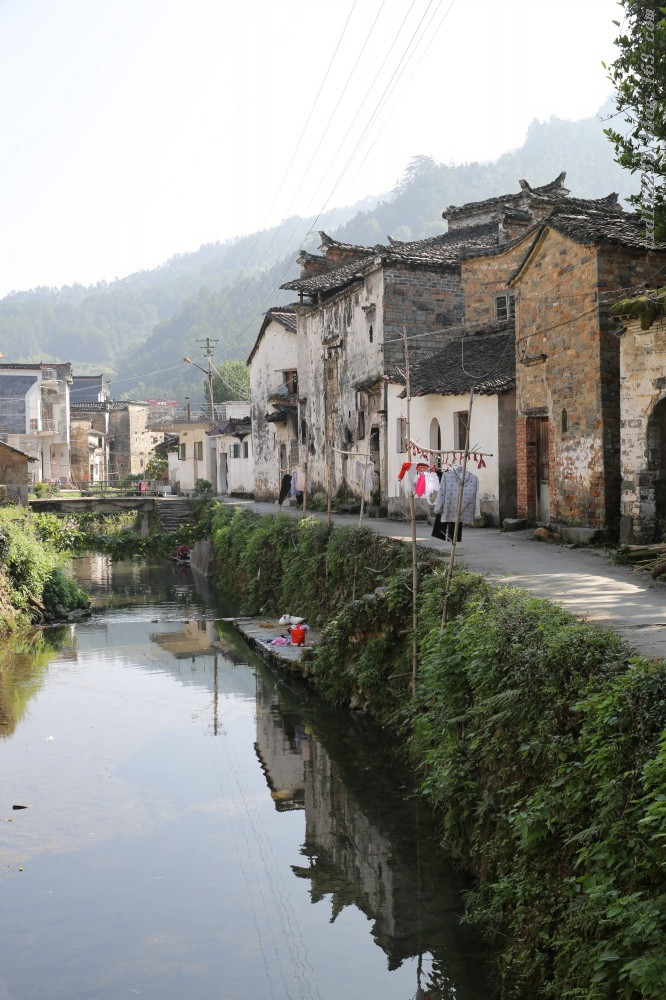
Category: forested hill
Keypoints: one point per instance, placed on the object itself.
(136, 327)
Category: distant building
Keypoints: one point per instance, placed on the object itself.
(233, 455)
(34, 416)
(273, 364)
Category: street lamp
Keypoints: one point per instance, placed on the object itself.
(209, 375)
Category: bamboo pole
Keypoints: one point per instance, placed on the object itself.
(329, 455)
(412, 518)
(449, 575)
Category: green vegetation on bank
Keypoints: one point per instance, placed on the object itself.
(537, 737)
(33, 583)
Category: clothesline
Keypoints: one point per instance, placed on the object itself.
(451, 451)
(356, 454)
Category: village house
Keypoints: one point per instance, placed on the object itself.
(273, 366)
(643, 417)
(579, 261)
(484, 358)
(126, 437)
(89, 452)
(34, 416)
(191, 452)
(14, 473)
(356, 304)
(232, 454)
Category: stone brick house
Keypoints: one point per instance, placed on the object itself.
(355, 303)
(576, 263)
(124, 424)
(439, 388)
(15, 474)
(274, 392)
(643, 416)
(89, 452)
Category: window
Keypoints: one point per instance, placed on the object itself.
(565, 421)
(401, 443)
(181, 452)
(198, 450)
(505, 307)
(234, 451)
(460, 430)
(141, 463)
(360, 431)
(291, 380)
(246, 449)
(370, 333)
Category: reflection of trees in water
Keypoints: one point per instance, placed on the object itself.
(23, 662)
(370, 845)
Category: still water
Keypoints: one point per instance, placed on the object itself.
(197, 829)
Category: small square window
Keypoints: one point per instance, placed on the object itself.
(505, 307)
(460, 430)
(401, 442)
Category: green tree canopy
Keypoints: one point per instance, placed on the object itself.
(639, 77)
(231, 381)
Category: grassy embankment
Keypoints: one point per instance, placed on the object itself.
(34, 586)
(538, 739)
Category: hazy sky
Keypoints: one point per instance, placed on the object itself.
(133, 130)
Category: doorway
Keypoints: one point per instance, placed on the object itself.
(542, 471)
(224, 485)
(656, 453)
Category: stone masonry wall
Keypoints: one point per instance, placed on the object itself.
(642, 392)
(419, 301)
(557, 318)
(485, 277)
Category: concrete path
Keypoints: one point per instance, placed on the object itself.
(582, 580)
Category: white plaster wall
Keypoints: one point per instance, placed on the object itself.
(343, 319)
(484, 437)
(240, 471)
(277, 352)
(191, 469)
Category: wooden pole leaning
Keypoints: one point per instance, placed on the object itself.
(412, 518)
(456, 527)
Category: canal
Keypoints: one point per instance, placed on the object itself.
(193, 827)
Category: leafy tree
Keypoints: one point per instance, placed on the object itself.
(231, 380)
(639, 77)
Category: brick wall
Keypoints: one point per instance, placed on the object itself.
(485, 277)
(419, 301)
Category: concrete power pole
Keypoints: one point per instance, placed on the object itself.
(208, 344)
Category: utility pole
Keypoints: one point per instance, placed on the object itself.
(208, 344)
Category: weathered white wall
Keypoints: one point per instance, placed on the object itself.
(484, 437)
(339, 330)
(240, 471)
(642, 387)
(187, 471)
(276, 353)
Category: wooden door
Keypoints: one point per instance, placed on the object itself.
(542, 472)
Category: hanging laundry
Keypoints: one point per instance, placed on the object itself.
(449, 491)
(431, 487)
(365, 477)
(300, 479)
(285, 488)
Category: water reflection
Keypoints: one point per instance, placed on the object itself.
(198, 828)
(367, 845)
(24, 659)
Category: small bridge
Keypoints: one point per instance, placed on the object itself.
(166, 513)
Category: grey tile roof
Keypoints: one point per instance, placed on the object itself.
(334, 277)
(235, 426)
(486, 360)
(553, 191)
(588, 225)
